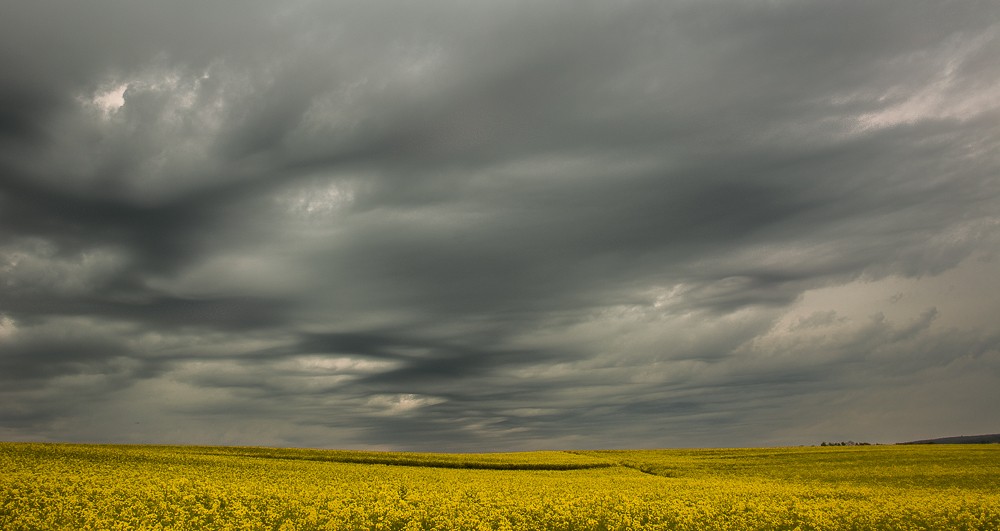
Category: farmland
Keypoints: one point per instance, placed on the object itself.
(78, 487)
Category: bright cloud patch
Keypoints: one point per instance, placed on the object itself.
(111, 100)
(401, 404)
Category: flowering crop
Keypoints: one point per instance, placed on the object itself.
(97, 487)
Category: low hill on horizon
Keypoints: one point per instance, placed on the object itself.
(963, 439)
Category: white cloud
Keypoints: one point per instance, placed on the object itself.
(341, 364)
(947, 95)
(318, 199)
(401, 404)
(7, 327)
(111, 100)
(38, 265)
(966, 296)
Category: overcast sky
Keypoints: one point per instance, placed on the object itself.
(499, 225)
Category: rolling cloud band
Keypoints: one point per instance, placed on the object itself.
(499, 225)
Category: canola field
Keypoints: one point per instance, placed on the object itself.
(98, 487)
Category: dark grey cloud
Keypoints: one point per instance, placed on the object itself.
(500, 225)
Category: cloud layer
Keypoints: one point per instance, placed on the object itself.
(500, 225)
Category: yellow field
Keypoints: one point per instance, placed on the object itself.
(80, 487)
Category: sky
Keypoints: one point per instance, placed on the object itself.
(499, 225)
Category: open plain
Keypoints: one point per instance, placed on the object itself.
(98, 487)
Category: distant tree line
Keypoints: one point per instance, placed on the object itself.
(848, 443)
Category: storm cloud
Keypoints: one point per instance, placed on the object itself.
(500, 225)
